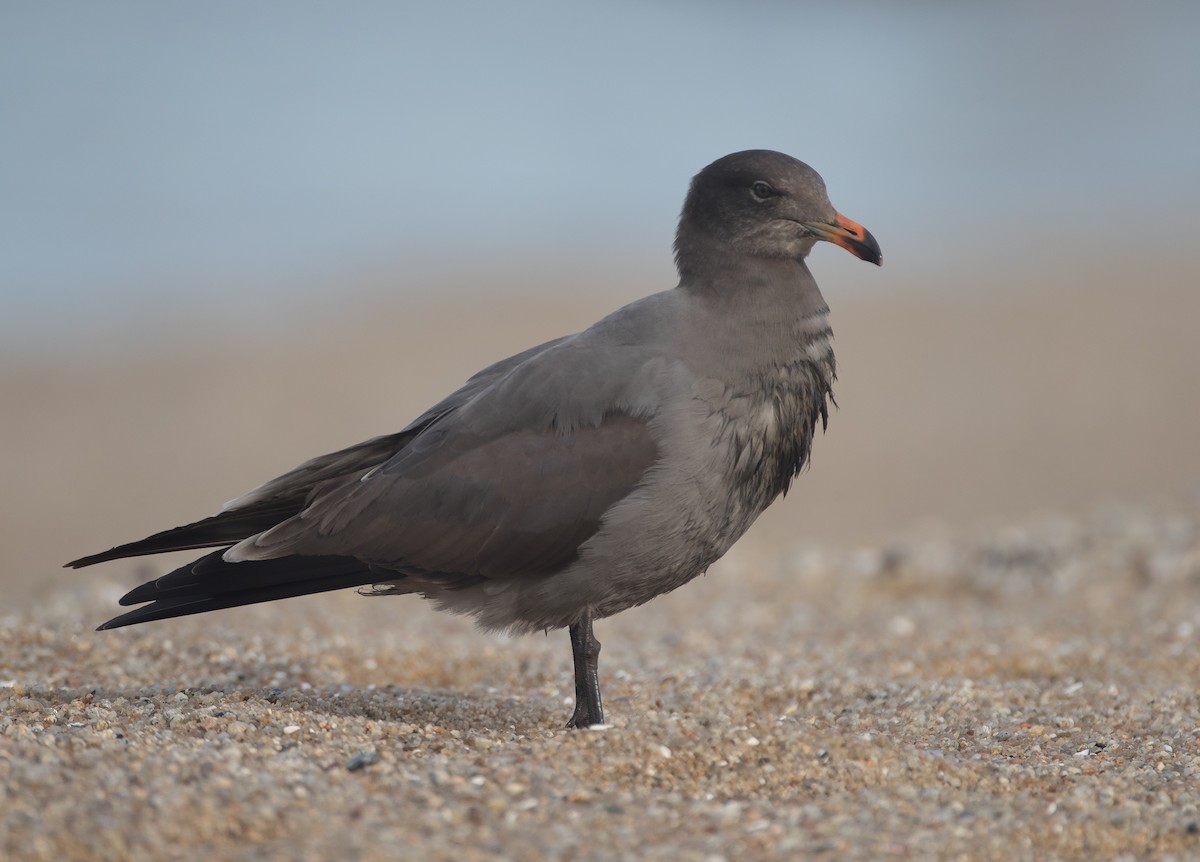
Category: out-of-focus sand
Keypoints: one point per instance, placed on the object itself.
(952, 689)
(962, 403)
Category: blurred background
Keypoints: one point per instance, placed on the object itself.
(236, 235)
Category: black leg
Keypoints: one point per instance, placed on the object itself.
(585, 650)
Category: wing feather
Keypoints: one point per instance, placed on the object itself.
(522, 502)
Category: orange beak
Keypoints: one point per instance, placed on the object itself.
(851, 236)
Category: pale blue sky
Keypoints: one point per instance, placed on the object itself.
(168, 150)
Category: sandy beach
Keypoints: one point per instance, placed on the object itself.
(970, 631)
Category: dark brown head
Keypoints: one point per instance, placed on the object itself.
(760, 203)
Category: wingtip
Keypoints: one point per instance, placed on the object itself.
(121, 621)
(89, 560)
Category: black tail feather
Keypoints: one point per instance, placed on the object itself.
(210, 583)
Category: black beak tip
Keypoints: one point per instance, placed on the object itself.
(868, 249)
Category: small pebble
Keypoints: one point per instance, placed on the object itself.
(362, 759)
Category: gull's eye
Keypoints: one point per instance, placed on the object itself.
(762, 190)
